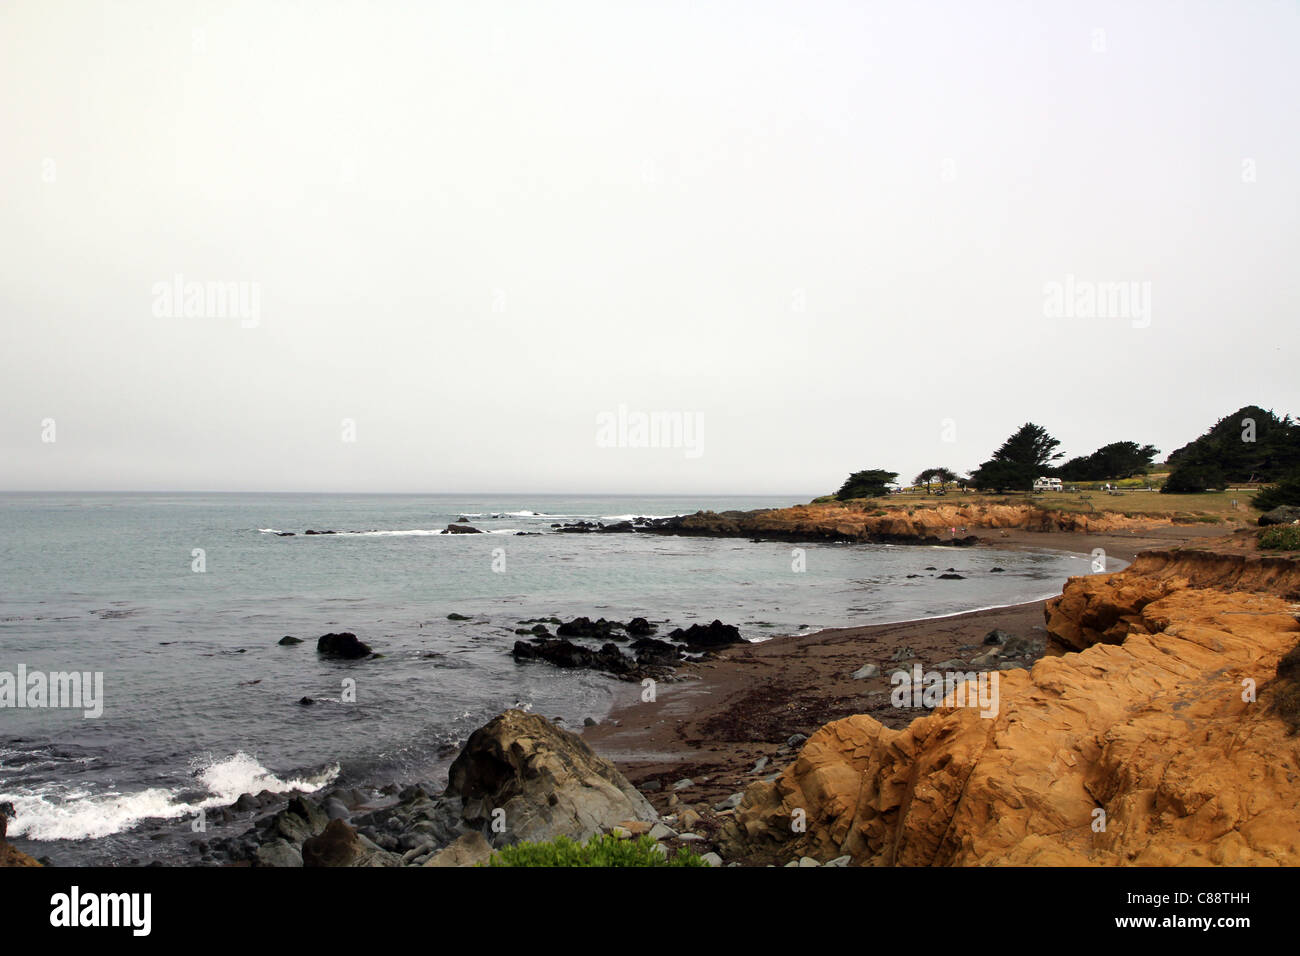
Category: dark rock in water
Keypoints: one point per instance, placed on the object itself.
(461, 529)
(654, 652)
(453, 616)
(1282, 514)
(952, 577)
(716, 634)
(540, 630)
(344, 645)
(547, 781)
(996, 636)
(914, 575)
(931, 568)
(997, 570)
(286, 640)
(462, 520)
(595, 527)
(284, 534)
(306, 701)
(568, 655)
(583, 627)
(639, 626)
(309, 531)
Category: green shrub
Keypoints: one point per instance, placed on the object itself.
(606, 850)
(1286, 492)
(1281, 537)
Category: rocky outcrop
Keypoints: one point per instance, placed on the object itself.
(1158, 743)
(340, 845)
(711, 635)
(522, 778)
(1282, 514)
(571, 656)
(469, 850)
(882, 522)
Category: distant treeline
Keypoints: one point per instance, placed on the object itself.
(1251, 444)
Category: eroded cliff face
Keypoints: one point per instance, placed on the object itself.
(1144, 747)
(863, 523)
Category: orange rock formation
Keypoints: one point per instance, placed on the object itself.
(1142, 748)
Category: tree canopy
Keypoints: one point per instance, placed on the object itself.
(1021, 458)
(1120, 459)
(871, 483)
(945, 477)
(1250, 444)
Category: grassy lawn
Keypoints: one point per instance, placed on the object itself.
(1212, 504)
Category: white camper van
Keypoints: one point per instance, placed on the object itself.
(1047, 484)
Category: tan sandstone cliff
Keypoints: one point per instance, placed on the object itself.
(1138, 749)
(867, 521)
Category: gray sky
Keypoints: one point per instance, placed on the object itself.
(825, 233)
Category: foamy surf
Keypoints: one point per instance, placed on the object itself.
(57, 813)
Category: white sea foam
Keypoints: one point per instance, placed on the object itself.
(54, 812)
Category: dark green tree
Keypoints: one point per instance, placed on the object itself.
(1285, 492)
(945, 477)
(1121, 459)
(1252, 444)
(871, 483)
(1021, 458)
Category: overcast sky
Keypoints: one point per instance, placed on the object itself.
(828, 234)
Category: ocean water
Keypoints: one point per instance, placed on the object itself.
(201, 704)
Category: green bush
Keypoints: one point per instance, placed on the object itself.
(1281, 537)
(606, 850)
(1286, 492)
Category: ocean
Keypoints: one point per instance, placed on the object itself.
(179, 602)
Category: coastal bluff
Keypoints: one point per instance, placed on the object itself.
(1156, 739)
(885, 523)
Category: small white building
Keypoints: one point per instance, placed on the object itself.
(1047, 484)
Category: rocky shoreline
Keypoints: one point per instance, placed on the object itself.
(750, 735)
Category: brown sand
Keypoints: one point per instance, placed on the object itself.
(725, 714)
